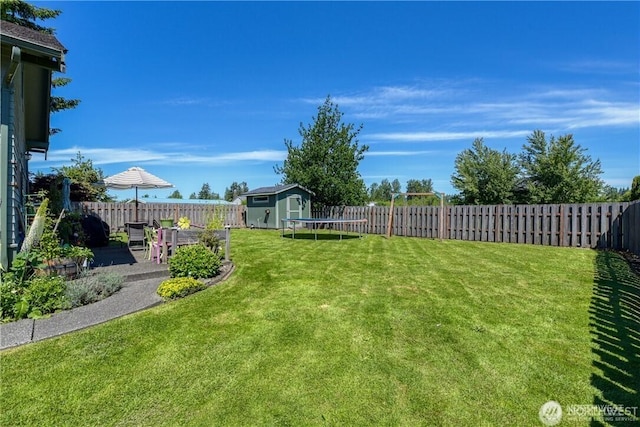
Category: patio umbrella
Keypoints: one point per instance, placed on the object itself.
(135, 177)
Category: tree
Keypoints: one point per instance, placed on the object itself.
(58, 103)
(326, 162)
(175, 195)
(193, 196)
(632, 193)
(485, 176)
(421, 186)
(382, 192)
(559, 171)
(235, 190)
(612, 194)
(85, 183)
(86, 179)
(26, 15)
(396, 187)
(206, 193)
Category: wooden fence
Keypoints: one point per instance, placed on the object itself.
(118, 214)
(593, 225)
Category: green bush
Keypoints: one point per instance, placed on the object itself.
(93, 288)
(179, 287)
(11, 294)
(210, 239)
(45, 294)
(194, 261)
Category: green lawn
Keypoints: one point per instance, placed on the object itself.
(355, 332)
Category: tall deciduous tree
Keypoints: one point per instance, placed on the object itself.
(326, 162)
(421, 186)
(380, 192)
(175, 195)
(235, 190)
(26, 15)
(485, 176)
(632, 193)
(85, 183)
(86, 177)
(559, 171)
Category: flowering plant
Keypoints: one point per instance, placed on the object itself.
(184, 223)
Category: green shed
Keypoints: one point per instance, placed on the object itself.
(267, 206)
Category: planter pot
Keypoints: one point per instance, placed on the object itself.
(166, 223)
(60, 267)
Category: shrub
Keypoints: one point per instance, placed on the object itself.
(45, 294)
(93, 288)
(11, 296)
(179, 287)
(210, 239)
(194, 261)
(77, 253)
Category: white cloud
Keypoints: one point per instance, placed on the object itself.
(445, 136)
(466, 105)
(596, 66)
(103, 156)
(400, 153)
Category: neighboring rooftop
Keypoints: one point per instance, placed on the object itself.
(178, 201)
(275, 189)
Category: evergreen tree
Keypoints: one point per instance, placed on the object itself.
(235, 190)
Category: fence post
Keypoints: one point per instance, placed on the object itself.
(227, 242)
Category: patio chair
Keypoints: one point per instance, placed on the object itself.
(152, 249)
(135, 230)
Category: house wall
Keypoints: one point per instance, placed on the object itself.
(13, 163)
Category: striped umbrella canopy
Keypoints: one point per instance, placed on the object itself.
(135, 177)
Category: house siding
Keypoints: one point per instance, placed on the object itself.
(15, 176)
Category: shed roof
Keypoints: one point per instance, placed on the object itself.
(275, 189)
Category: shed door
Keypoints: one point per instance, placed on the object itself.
(294, 206)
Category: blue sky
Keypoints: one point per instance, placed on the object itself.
(199, 92)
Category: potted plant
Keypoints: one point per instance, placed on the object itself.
(78, 254)
(166, 222)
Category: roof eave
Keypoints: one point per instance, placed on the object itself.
(37, 54)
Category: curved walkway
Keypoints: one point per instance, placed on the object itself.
(135, 295)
